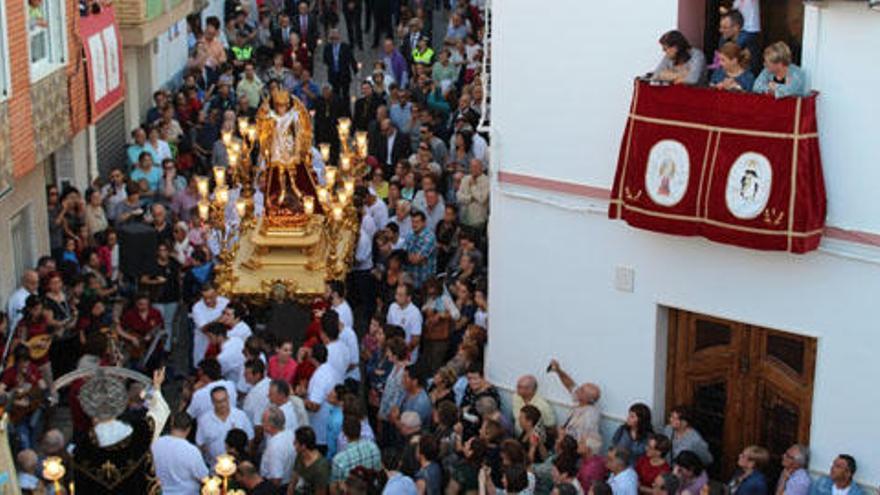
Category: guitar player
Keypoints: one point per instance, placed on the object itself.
(23, 391)
(139, 327)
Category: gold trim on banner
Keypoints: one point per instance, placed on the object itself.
(711, 175)
(709, 140)
(794, 168)
(728, 130)
(741, 228)
(629, 126)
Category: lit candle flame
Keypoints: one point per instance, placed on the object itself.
(330, 175)
(337, 212)
(220, 174)
(309, 205)
(240, 207)
(345, 163)
(325, 152)
(204, 208)
(221, 194)
(202, 186)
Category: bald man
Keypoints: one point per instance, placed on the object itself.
(30, 285)
(586, 414)
(527, 394)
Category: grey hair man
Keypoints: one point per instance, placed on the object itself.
(280, 454)
(586, 414)
(794, 479)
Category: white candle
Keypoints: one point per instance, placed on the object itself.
(325, 152)
(202, 186)
(220, 174)
(309, 204)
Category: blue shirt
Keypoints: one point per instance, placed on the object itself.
(795, 83)
(153, 176)
(824, 486)
(300, 93)
(423, 243)
(419, 404)
(334, 426)
(135, 150)
(745, 80)
(400, 485)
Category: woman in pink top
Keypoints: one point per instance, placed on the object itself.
(281, 365)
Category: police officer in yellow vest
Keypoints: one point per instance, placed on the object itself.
(423, 53)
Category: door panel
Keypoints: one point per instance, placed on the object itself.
(745, 384)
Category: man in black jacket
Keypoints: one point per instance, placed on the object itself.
(365, 107)
(306, 24)
(392, 147)
(351, 9)
(328, 109)
(341, 64)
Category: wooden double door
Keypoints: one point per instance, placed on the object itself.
(745, 385)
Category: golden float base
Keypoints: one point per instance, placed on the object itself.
(276, 261)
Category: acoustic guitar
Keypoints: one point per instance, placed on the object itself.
(23, 401)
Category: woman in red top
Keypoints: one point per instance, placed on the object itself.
(653, 463)
(282, 366)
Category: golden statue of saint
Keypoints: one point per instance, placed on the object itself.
(285, 145)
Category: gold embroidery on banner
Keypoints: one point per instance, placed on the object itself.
(728, 130)
(772, 216)
(741, 228)
(794, 168)
(630, 196)
(630, 124)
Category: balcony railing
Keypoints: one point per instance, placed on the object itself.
(137, 12)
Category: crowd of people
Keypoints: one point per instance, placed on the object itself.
(384, 390)
(737, 65)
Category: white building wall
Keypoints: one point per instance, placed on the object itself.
(170, 54)
(559, 108)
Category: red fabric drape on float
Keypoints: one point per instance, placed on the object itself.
(736, 168)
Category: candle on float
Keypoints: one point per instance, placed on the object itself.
(233, 160)
(225, 465)
(360, 137)
(240, 207)
(322, 195)
(309, 204)
(220, 174)
(221, 194)
(343, 197)
(252, 133)
(345, 163)
(242, 126)
(227, 138)
(202, 186)
(53, 468)
(337, 212)
(211, 486)
(204, 208)
(325, 152)
(344, 125)
(236, 147)
(348, 186)
(330, 175)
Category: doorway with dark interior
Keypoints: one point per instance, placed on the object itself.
(745, 384)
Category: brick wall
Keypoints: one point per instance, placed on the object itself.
(21, 137)
(76, 72)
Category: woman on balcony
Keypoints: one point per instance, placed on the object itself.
(734, 73)
(681, 63)
(780, 77)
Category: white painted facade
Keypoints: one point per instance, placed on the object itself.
(562, 81)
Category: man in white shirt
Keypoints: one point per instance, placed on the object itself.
(210, 375)
(232, 318)
(279, 396)
(377, 208)
(257, 399)
(213, 425)
(208, 309)
(322, 382)
(179, 464)
(30, 285)
(279, 456)
(406, 315)
(231, 357)
(337, 351)
(335, 292)
(623, 479)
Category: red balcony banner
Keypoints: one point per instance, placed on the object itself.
(735, 168)
(103, 49)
